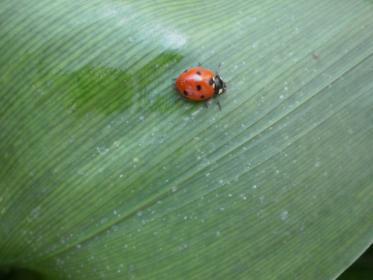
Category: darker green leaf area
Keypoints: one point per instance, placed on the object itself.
(19, 274)
(104, 90)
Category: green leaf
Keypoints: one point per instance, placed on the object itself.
(107, 173)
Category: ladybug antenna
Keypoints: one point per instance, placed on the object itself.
(219, 67)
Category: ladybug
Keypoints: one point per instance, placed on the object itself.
(200, 84)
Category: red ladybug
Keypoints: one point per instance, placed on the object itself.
(200, 84)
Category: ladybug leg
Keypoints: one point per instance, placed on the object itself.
(206, 104)
(218, 103)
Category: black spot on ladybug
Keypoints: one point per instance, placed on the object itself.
(202, 97)
(185, 93)
(186, 70)
(211, 81)
(198, 73)
(198, 87)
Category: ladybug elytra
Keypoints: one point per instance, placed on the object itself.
(200, 84)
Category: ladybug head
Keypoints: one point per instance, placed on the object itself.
(220, 85)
